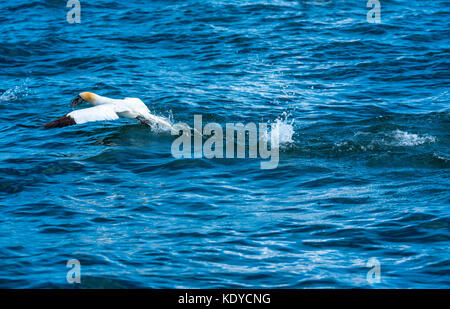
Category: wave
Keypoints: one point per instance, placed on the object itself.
(396, 138)
(402, 138)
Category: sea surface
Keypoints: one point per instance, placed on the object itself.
(364, 165)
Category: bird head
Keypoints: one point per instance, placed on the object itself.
(83, 97)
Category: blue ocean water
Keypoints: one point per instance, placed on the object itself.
(364, 175)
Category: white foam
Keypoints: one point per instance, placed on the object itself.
(283, 128)
(441, 157)
(367, 141)
(402, 138)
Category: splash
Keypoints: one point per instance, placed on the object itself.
(156, 127)
(15, 93)
(284, 128)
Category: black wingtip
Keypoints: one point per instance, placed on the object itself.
(61, 122)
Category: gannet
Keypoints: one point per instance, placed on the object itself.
(107, 109)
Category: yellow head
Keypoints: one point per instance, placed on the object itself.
(88, 96)
(84, 97)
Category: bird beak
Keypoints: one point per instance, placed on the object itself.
(78, 100)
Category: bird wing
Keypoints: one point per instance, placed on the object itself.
(133, 99)
(144, 115)
(96, 113)
(151, 120)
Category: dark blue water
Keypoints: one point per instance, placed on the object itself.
(365, 175)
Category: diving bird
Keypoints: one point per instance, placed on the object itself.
(107, 109)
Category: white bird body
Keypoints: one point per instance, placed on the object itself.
(108, 109)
